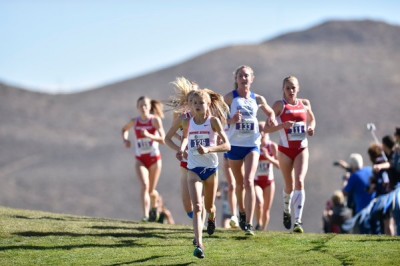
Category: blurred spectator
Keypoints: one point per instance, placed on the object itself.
(165, 214)
(387, 145)
(336, 214)
(389, 202)
(345, 166)
(395, 162)
(357, 186)
(348, 171)
(382, 222)
(380, 180)
(391, 148)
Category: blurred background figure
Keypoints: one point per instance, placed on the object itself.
(381, 223)
(148, 134)
(379, 182)
(336, 214)
(165, 215)
(357, 186)
(348, 171)
(231, 200)
(223, 194)
(391, 150)
(264, 182)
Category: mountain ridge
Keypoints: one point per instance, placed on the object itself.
(64, 153)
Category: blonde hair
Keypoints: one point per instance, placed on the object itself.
(338, 198)
(291, 79)
(217, 105)
(183, 89)
(156, 107)
(235, 73)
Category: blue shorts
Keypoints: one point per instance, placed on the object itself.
(239, 153)
(203, 172)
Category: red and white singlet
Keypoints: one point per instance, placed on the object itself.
(145, 145)
(296, 136)
(264, 170)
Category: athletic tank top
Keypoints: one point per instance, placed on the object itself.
(201, 135)
(296, 136)
(245, 133)
(264, 166)
(145, 145)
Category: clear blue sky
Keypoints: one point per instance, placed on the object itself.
(71, 45)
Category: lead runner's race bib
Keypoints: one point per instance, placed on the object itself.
(297, 132)
(144, 145)
(196, 140)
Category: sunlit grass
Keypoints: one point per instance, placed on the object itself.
(39, 238)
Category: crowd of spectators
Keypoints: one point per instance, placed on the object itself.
(369, 201)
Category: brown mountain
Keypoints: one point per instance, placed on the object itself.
(63, 153)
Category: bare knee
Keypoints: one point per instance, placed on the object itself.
(248, 184)
(146, 188)
(198, 207)
(240, 187)
(231, 188)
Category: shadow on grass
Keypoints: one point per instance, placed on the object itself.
(37, 218)
(122, 244)
(320, 246)
(386, 239)
(142, 228)
(45, 234)
(243, 237)
(70, 218)
(146, 260)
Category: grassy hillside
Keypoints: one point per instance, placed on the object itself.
(41, 238)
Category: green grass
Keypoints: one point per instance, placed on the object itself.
(40, 238)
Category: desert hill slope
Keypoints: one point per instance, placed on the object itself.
(64, 153)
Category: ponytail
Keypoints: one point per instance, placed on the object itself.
(157, 108)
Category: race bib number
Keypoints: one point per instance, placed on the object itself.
(197, 140)
(263, 168)
(245, 127)
(144, 145)
(297, 132)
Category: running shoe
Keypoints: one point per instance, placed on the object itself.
(194, 242)
(249, 230)
(153, 215)
(234, 222)
(287, 220)
(297, 228)
(258, 227)
(145, 219)
(199, 252)
(211, 226)
(242, 220)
